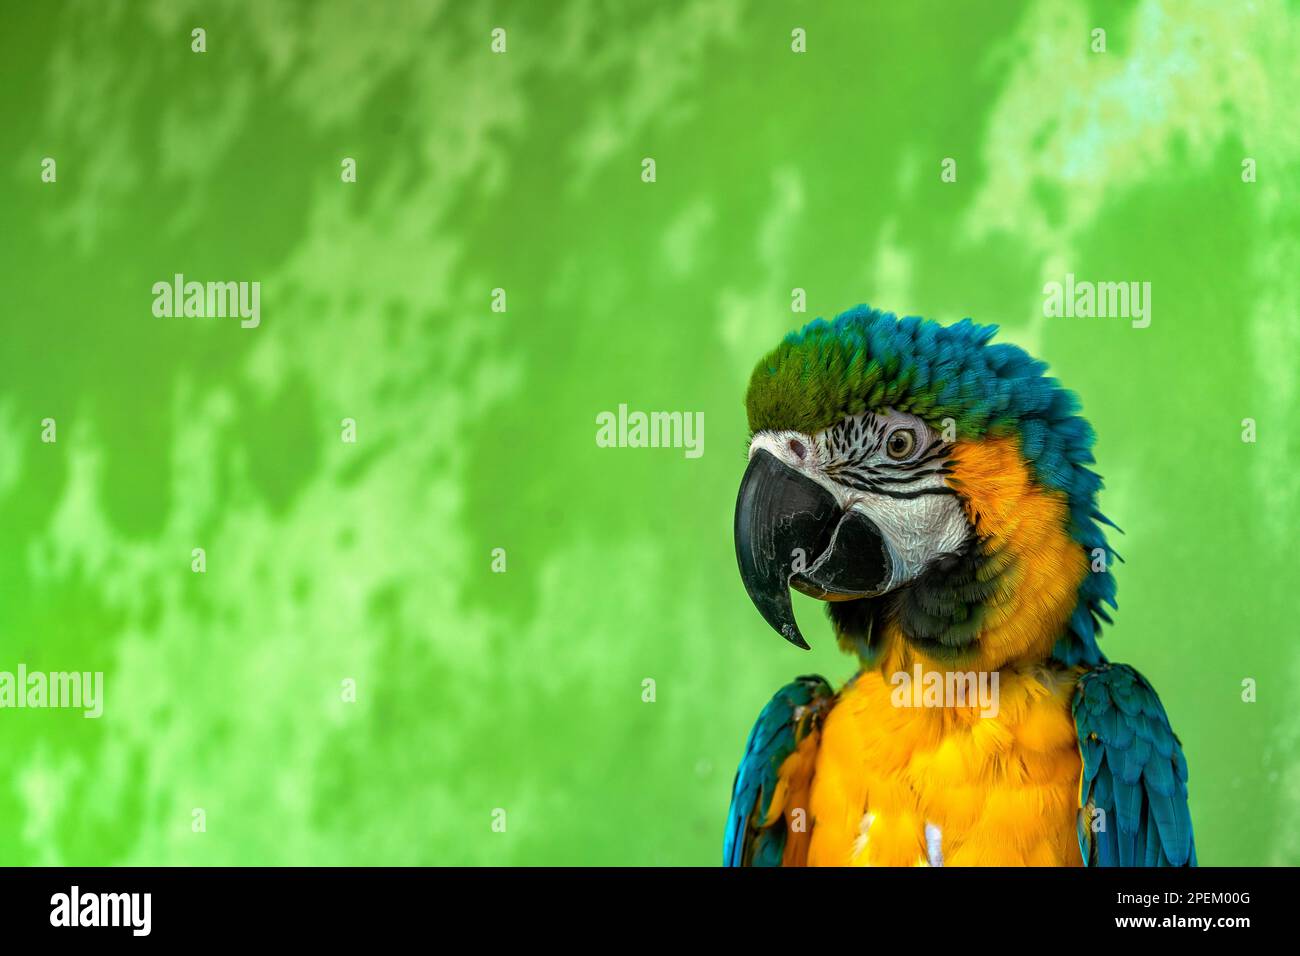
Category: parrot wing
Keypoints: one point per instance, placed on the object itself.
(1133, 771)
(789, 724)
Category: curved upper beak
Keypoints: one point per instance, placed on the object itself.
(791, 532)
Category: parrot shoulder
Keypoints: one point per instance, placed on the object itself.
(1133, 790)
(774, 775)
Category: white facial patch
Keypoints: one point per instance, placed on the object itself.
(916, 530)
(891, 467)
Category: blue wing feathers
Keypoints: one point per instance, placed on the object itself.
(775, 736)
(1133, 770)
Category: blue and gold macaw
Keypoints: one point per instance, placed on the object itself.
(933, 488)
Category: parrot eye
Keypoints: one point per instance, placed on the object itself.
(900, 444)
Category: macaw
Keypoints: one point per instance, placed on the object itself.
(933, 489)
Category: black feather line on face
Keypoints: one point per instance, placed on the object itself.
(934, 451)
(851, 444)
(849, 475)
(917, 493)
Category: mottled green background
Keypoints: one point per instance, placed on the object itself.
(476, 430)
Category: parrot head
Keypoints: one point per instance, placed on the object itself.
(931, 487)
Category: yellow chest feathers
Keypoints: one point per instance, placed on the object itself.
(897, 784)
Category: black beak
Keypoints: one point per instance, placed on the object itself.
(790, 532)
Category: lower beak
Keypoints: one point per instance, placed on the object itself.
(791, 532)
